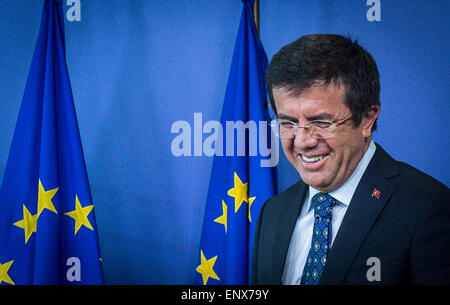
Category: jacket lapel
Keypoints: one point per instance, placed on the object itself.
(287, 219)
(372, 193)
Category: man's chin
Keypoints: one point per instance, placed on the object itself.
(317, 182)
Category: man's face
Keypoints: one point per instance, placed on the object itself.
(324, 164)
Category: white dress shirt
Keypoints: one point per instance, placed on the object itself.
(302, 235)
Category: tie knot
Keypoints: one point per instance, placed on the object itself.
(323, 204)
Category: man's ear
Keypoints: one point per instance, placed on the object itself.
(369, 119)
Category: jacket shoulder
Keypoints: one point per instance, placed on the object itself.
(418, 180)
(408, 179)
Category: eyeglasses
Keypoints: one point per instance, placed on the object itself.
(318, 129)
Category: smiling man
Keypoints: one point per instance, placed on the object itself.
(354, 204)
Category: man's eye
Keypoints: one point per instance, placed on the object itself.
(321, 124)
(286, 124)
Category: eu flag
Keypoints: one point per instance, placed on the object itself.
(48, 233)
(242, 177)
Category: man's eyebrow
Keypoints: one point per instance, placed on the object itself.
(321, 116)
(282, 116)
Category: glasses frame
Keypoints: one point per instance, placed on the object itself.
(307, 126)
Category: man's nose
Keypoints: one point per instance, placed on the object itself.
(303, 139)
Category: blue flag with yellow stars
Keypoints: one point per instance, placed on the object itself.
(242, 177)
(48, 233)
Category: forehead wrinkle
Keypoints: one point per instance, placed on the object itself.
(294, 90)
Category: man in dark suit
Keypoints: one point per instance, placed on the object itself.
(358, 216)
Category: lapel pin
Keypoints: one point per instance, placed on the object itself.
(376, 193)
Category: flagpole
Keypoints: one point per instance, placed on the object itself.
(256, 14)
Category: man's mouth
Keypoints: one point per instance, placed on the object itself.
(313, 162)
(312, 159)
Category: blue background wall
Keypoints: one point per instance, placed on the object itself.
(138, 66)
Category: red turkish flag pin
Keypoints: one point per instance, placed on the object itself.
(376, 193)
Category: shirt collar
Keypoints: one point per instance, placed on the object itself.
(345, 192)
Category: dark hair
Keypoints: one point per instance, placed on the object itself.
(323, 59)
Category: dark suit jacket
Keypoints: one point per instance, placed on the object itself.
(407, 228)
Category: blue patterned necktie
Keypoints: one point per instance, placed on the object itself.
(321, 239)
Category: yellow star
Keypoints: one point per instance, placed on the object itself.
(223, 218)
(206, 268)
(28, 223)
(45, 199)
(80, 214)
(239, 192)
(4, 277)
(250, 201)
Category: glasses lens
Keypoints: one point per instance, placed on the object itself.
(283, 129)
(287, 129)
(316, 129)
(320, 131)
(275, 127)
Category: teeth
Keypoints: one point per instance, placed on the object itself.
(312, 159)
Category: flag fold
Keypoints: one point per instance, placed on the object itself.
(242, 178)
(48, 233)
